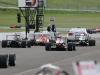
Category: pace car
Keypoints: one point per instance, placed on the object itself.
(80, 37)
(60, 44)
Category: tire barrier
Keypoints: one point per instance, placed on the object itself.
(7, 60)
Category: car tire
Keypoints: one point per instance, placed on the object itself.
(23, 44)
(4, 43)
(48, 47)
(4, 61)
(28, 44)
(91, 42)
(74, 47)
(12, 59)
(70, 46)
(32, 42)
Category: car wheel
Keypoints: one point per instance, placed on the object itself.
(4, 43)
(70, 46)
(12, 58)
(74, 47)
(32, 42)
(28, 44)
(23, 44)
(91, 42)
(48, 47)
(4, 61)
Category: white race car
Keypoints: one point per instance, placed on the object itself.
(80, 37)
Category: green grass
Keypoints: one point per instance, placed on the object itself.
(8, 17)
(62, 19)
(8, 2)
(74, 19)
(74, 4)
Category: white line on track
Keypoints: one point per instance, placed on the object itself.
(30, 70)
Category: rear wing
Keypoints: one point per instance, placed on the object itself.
(86, 68)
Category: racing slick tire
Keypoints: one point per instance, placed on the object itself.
(4, 61)
(74, 46)
(29, 44)
(32, 42)
(91, 42)
(12, 59)
(70, 46)
(23, 44)
(4, 43)
(48, 47)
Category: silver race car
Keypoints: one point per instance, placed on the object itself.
(80, 37)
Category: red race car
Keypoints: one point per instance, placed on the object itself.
(15, 26)
(41, 39)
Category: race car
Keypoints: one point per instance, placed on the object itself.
(60, 44)
(15, 26)
(14, 41)
(80, 37)
(42, 38)
(50, 69)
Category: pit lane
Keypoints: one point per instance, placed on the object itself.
(29, 59)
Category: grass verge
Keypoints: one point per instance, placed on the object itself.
(62, 19)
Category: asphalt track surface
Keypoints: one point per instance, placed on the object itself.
(28, 60)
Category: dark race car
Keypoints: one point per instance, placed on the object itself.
(60, 44)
